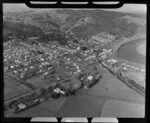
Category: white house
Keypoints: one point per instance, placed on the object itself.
(90, 78)
(22, 106)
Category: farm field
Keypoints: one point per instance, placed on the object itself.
(12, 88)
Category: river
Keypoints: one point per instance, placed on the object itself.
(131, 51)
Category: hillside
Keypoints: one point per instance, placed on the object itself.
(20, 30)
(56, 24)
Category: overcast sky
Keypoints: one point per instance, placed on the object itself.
(129, 8)
(132, 8)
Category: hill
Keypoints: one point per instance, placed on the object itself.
(58, 24)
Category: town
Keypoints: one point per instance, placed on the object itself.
(46, 71)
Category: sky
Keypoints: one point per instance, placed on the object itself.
(132, 8)
(127, 8)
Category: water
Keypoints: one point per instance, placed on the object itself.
(128, 51)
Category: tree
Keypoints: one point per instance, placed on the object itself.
(84, 48)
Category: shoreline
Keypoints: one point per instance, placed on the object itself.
(127, 81)
(141, 48)
(117, 45)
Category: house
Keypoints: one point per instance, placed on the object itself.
(12, 66)
(112, 61)
(31, 67)
(22, 75)
(46, 73)
(22, 106)
(125, 68)
(15, 72)
(62, 92)
(142, 70)
(40, 71)
(5, 68)
(57, 90)
(78, 48)
(78, 70)
(42, 59)
(90, 77)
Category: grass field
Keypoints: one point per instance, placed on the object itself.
(12, 88)
(37, 82)
(108, 98)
